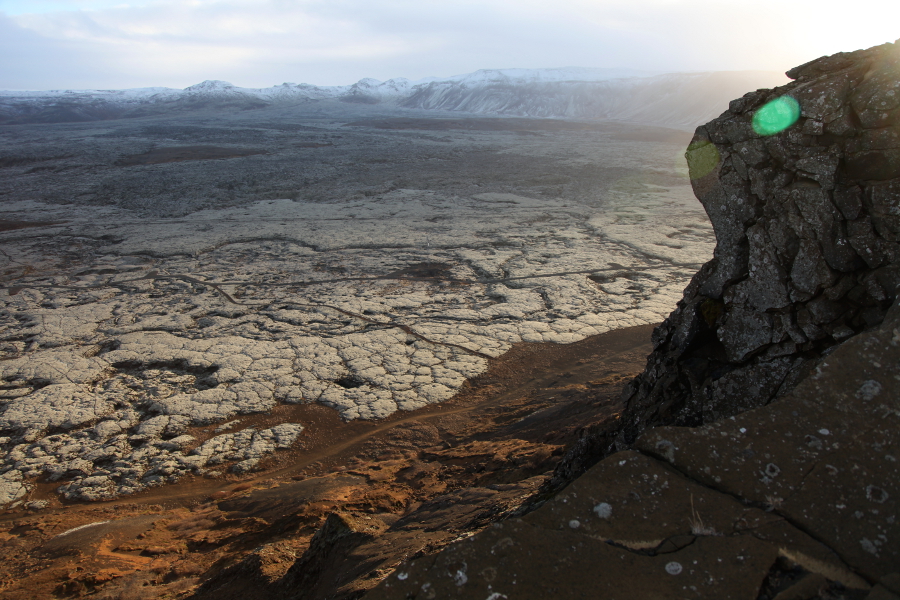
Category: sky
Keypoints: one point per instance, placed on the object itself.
(116, 44)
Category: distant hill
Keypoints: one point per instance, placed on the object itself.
(678, 100)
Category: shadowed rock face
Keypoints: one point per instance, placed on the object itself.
(807, 223)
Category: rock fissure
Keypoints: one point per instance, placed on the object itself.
(451, 280)
(765, 506)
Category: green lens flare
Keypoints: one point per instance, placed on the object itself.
(776, 116)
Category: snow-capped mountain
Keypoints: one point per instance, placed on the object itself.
(680, 100)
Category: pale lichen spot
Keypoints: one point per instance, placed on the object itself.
(876, 494)
(603, 510)
(868, 390)
(674, 568)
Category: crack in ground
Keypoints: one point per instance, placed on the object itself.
(335, 280)
(762, 506)
(217, 286)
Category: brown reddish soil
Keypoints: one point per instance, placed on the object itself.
(182, 153)
(7, 225)
(407, 484)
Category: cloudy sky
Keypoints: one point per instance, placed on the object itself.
(51, 44)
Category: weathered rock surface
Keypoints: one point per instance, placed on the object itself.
(796, 499)
(807, 229)
(348, 552)
(826, 457)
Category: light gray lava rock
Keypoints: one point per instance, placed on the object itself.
(56, 406)
(163, 425)
(247, 446)
(12, 487)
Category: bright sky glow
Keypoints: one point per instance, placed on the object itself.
(24, 7)
(50, 44)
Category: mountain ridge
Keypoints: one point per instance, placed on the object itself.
(680, 100)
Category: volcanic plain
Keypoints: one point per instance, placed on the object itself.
(378, 307)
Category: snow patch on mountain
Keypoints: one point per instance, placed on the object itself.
(545, 75)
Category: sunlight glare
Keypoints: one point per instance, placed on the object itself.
(776, 116)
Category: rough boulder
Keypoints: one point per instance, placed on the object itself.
(807, 223)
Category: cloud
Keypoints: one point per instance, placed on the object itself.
(101, 43)
(30, 61)
(19, 7)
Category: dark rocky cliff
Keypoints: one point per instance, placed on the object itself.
(807, 222)
(759, 449)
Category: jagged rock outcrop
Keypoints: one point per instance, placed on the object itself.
(807, 222)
